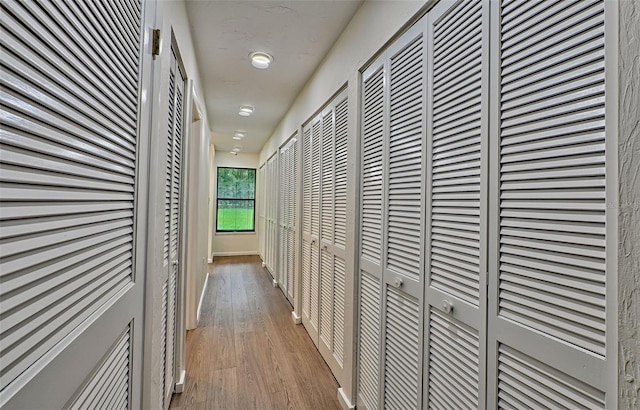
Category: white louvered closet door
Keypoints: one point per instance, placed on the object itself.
(306, 224)
(72, 189)
(272, 235)
(325, 296)
(403, 217)
(333, 226)
(291, 221)
(312, 142)
(392, 231)
(261, 204)
(548, 334)
(339, 226)
(373, 127)
(457, 78)
(287, 213)
(174, 179)
(282, 217)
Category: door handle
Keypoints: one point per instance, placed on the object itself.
(324, 247)
(175, 263)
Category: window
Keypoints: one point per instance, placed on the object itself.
(236, 200)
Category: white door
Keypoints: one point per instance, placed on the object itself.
(287, 203)
(332, 233)
(392, 226)
(73, 188)
(456, 203)
(311, 143)
(172, 219)
(550, 341)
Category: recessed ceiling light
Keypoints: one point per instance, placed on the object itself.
(246, 110)
(260, 60)
(233, 153)
(237, 138)
(238, 135)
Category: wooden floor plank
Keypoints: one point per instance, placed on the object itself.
(247, 353)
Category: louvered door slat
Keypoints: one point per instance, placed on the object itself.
(167, 191)
(110, 380)
(306, 277)
(405, 159)
(316, 166)
(326, 298)
(306, 180)
(328, 174)
(448, 158)
(401, 351)
(340, 201)
(534, 249)
(371, 234)
(369, 333)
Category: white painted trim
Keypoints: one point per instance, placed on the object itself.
(179, 388)
(297, 319)
(204, 288)
(241, 253)
(345, 403)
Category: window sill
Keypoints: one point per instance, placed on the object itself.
(235, 233)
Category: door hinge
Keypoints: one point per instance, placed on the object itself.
(155, 42)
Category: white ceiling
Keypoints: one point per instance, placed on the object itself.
(297, 33)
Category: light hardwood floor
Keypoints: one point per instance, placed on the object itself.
(247, 353)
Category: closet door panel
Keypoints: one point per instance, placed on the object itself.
(403, 275)
(548, 338)
(371, 235)
(327, 153)
(457, 78)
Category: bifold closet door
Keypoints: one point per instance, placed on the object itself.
(73, 187)
(392, 263)
(287, 218)
(549, 343)
(282, 217)
(271, 216)
(172, 224)
(292, 247)
(457, 169)
(262, 205)
(311, 227)
(332, 232)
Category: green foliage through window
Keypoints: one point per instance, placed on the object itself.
(236, 199)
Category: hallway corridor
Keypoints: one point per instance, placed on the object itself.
(246, 352)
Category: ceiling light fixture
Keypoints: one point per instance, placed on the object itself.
(261, 60)
(233, 153)
(238, 135)
(246, 110)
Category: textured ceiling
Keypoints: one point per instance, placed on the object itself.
(297, 33)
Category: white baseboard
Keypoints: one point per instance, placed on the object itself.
(241, 253)
(204, 288)
(179, 388)
(297, 319)
(344, 401)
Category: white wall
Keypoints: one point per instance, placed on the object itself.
(171, 15)
(241, 243)
(629, 206)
